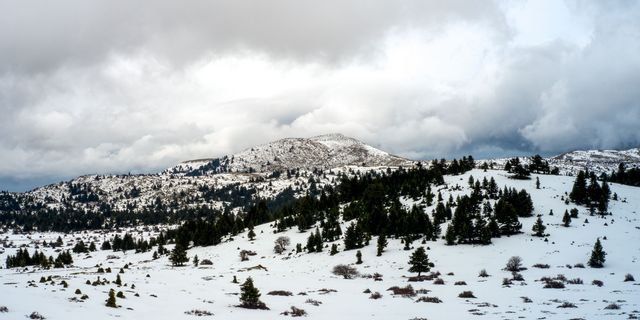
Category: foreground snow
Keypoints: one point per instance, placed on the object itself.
(168, 292)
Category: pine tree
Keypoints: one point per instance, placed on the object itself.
(597, 255)
(566, 219)
(250, 295)
(178, 256)
(118, 280)
(251, 234)
(381, 244)
(196, 261)
(111, 301)
(538, 228)
(579, 191)
(450, 236)
(334, 249)
(537, 183)
(318, 241)
(419, 261)
(359, 257)
(311, 243)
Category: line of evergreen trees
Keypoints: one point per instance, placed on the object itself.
(626, 176)
(22, 258)
(593, 195)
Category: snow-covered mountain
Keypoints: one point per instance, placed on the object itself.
(320, 152)
(599, 161)
(295, 165)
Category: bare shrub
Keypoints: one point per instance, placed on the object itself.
(295, 312)
(280, 244)
(405, 292)
(376, 295)
(313, 302)
(429, 299)
(517, 276)
(579, 265)
(36, 315)
(460, 283)
(466, 294)
(612, 306)
(541, 266)
(206, 262)
(575, 281)
(199, 313)
(567, 304)
(553, 284)
(327, 291)
(438, 281)
(483, 273)
(506, 282)
(280, 293)
(598, 283)
(514, 264)
(628, 278)
(345, 271)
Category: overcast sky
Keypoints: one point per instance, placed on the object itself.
(116, 86)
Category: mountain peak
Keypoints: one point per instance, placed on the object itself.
(320, 152)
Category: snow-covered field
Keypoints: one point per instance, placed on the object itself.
(166, 292)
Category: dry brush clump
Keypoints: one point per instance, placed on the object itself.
(347, 272)
(405, 292)
(199, 313)
(483, 274)
(466, 294)
(295, 312)
(429, 300)
(598, 283)
(613, 306)
(280, 293)
(567, 304)
(514, 264)
(376, 295)
(313, 302)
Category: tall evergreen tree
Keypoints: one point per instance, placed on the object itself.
(597, 255)
(419, 261)
(250, 296)
(566, 218)
(381, 244)
(539, 228)
(178, 256)
(579, 191)
(111, 301)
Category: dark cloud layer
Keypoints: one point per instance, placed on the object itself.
(120, 86)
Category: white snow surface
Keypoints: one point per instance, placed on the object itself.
(169, 291)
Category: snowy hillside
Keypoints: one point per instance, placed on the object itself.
(321, 152)
(154, 289)
(295, 164)
(598, 161)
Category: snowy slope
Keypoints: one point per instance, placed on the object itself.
(598, 161)
(321, 152)
(168, 292)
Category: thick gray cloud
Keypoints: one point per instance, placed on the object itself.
(119, 86)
